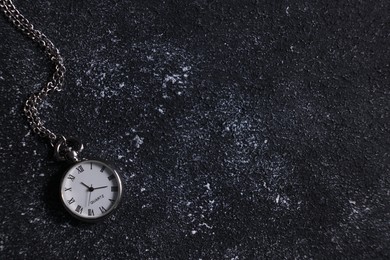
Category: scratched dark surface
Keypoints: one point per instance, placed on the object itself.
(242, 129)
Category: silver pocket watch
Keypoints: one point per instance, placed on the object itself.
(90, 189)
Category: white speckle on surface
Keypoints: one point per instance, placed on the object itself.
(102, 75)
(208, 186)
(102, 94)
(266, 141)
(171, 79)
(193, 232)
(352, 202)
(205, 225)
(138, 141)
(287, 10)
(186, 68)
(160, 110)
(45, 104)
(78, 82)
(120, 156)
(143, 189)
(35, 220)
(277, 198)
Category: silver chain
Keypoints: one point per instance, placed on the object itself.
(55, 84)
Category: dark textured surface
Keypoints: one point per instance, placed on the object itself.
(243, 129)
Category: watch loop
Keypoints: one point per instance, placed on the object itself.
(67, 149)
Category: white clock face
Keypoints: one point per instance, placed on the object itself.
(91, 190)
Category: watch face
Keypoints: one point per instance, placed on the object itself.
(91, 190)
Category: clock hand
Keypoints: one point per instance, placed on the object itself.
(89, 188)
(89, 199)
(86, 200)
(82, 183)
(100, 187)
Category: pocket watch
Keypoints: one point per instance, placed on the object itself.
(91, 190)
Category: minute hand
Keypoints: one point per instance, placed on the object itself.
(100, 187)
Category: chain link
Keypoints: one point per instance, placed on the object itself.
(56, 82)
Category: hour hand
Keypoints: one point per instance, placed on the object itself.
(82, 183)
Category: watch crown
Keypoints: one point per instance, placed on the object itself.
(67, 149)
(71, 155)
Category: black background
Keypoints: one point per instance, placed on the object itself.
(242, 129)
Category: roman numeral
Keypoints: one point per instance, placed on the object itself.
(71, 201)
(68, 189)
(79, 209)
(90, 212)
(71, 177)
(114, 188)
(91, 166)
(111, 200)
(102, 209)
(111, 177)
(103, 168)
(80, 169)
